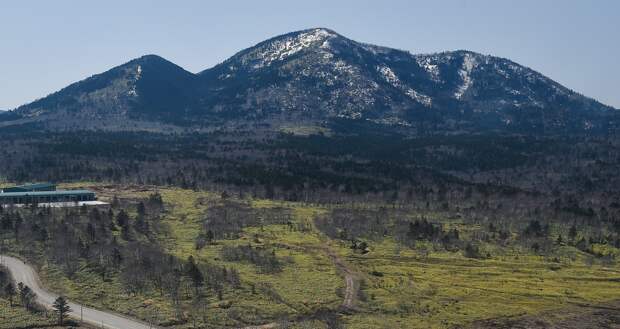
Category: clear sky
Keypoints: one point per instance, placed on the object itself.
(46, 45)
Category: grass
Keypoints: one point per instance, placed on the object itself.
(445, 290)
(403, 288)
(14, 317)
(89, 289)
(308, 281)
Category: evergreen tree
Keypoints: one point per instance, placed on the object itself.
(122, 219)
(193, 272)
(61, 307)
(26, 295)
(9, 291)
(572, 233)
(141, 209)
(210, 236)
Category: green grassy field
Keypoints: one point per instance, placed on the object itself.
(444, 290)
(12, 317)
(308, 282)
(400, 287)
(16, 317)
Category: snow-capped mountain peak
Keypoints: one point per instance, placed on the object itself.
(281, 48)
(318, 74)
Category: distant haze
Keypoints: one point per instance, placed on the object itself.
(47, 45)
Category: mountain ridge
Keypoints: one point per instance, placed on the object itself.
(318, 74)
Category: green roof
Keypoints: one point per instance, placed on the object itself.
(31, 187)
(36, 185)
(44, 193)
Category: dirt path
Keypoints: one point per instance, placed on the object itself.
(351, 280)
(351, 292)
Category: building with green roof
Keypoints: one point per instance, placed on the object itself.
(43, 194)
(37, 187)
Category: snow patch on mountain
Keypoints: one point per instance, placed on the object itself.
(137, 75)
(375, 50)
(421, 98)
(343, 67)
(281, 49)
(469, 63)
(389, 76)
(391, 121)
(431, 68)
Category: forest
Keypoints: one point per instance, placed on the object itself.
(337, 226)
(191, 259)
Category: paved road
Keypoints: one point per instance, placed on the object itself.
(25, 273)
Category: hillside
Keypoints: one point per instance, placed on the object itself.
(315, 76)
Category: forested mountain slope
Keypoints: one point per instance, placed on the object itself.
(318, 75)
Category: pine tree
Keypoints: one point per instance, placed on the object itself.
(141, 209)
(26, 295)
(122, 219)
(61, 307)
(116, 202)
(572, 234)
(210, 236)
(194, 273)
(9, 291)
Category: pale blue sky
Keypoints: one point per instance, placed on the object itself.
(46, 45)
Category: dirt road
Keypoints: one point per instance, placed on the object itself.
(26, 274)
(351, 287)
(351, 280)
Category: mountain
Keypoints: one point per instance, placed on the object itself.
(317, 75)
(146, 86)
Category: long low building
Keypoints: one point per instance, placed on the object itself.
(33, 187)
(10, 198)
